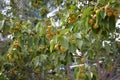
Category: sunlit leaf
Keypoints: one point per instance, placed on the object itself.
(2, 24)
(52, 43)
(64, 31)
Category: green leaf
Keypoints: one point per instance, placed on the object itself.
(69, 58)
(108, 48)
(30, 41)
(36, 60)
(72, 48)
(64, 31)
(94, 77)
(87, 77)
(62, 57)
(112, 23)
(3, 77)
(1, 16)
(103, 14)
(36, 44)
(2, 24)
(37, 27)
(6, 27)
(76, 28)
(43, 57)
(77, 35)
(79, 43)
(86, 23)
(64, 42)
(87, 12)
(52, 43)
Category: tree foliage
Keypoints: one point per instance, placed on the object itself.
(44, 46)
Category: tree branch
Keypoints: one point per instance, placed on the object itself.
(118, 76)
(98, 67)
(69, 72)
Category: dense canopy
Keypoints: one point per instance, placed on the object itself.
(59, 40)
